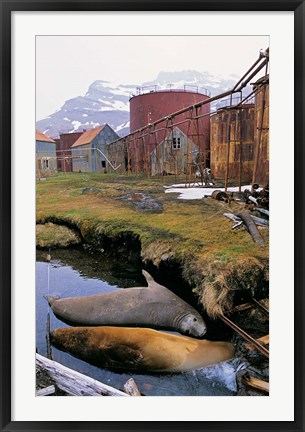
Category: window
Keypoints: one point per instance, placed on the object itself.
(45, 163)
(176, 143)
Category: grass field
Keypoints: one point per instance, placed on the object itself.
(215, 260)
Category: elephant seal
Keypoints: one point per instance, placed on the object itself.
(140, 349)
(154, 306)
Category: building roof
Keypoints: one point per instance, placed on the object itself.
(42, 137)
(88, 136)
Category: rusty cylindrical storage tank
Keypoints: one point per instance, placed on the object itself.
(232, 143)
(151, 106)
(261, 132)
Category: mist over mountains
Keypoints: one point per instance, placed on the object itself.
(107, 102)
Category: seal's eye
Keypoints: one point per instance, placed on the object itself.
(195, 319)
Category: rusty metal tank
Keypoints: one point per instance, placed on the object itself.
(261, 132)
(232, 143)
(151, 104)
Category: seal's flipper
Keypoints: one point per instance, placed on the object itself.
(150, 280)
(51, 299)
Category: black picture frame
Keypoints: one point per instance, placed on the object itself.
(7, 7)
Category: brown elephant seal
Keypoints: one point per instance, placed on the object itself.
(140, 349)
(154, 306)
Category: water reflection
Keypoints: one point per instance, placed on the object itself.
(76, 273)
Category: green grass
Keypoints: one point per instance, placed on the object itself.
(193, 232)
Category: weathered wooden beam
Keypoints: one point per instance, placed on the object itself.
(73, 382)
(255, 383)
(131, 388)
(241, 308)
(46, 391)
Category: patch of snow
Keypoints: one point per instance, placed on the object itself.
(66, 118)
(85, 115)
(122, 126)
(94, 124)
(197, 192)
(224, 373)
(115, 105)
(106, 109)
(120, 92)
(120, 106)
(44, 132)
(76, 124)
(105, 102)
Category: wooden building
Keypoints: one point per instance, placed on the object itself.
(89, 150)
(176, 154)
(46, 162)
(63, 147)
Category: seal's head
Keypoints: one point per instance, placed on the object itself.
(193, 325)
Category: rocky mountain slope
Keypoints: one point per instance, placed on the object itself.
(107, 102)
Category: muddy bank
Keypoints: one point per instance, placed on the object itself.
(217, 285)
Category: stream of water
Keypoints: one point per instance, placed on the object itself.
(74, 272)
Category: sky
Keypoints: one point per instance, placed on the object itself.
(67, 65)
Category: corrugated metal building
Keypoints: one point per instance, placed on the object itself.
(154, 115)
(176, 154)
(89, 152)
(63, 147)
(46, 163)
(239, 139)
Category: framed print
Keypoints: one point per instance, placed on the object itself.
(141, 255)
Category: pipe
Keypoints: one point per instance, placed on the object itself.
(248, 71)
(245, 335)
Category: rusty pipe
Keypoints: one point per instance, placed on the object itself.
(245, 335)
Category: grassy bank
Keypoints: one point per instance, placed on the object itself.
(215, 260)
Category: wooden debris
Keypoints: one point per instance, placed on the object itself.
(131, 388)
(245, 335)
(264, 340)
(251, 198)
(262, 211)
(241, 308)
(232, 217)
(237, 225)
(255, 383)
(265, 310)
(73, 382)
(250, 224)
(46, 391)
(221, 196)
(260, 221)
(236, 219)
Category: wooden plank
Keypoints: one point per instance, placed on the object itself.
(131, 388)
(46, 391)
(264, 339)
(256, 383)
(241, 308)
(73, 382)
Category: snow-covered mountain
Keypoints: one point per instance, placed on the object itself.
(106, 102)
